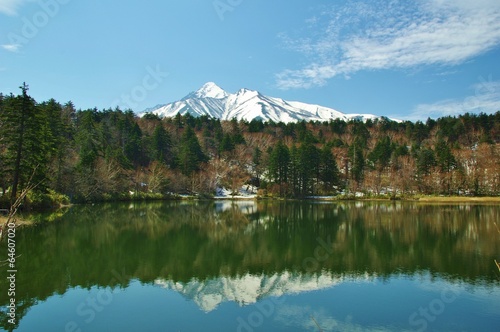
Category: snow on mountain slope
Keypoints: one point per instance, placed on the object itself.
(195, 106)
(248, 105)
(208, 90)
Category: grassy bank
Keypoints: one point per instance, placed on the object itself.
(415, 198)
(458, 199)
(19, 221)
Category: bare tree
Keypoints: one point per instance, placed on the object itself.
(11, 217)
(157, 177)
(216, 172)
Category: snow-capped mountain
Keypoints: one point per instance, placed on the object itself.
(248, 105)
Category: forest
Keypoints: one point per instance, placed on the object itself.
(112, 154)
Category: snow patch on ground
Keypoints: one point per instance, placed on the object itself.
(245, 192)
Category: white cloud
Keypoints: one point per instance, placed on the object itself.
(311, 319)
(10, 7)
(314, 75)
(485, 99)
(395, 34)
(11, 47)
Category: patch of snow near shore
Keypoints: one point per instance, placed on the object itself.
(245, 192)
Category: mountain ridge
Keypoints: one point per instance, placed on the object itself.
(247, 104)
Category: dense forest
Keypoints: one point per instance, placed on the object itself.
(91, 155)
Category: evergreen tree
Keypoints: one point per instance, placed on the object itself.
(401, 150)
(218, 137)
(257, 161)
(329, 172)
(290, 130)
(255, 126)
(151, 117)
(420, 132)
(381, 154)
(338, 126)
(237, 137)
(360, 131)
(426, 160)
(294, 171)
(60, 140)
(87, 139)
(357, 160)
(278, 165)
(178, 121)
(301, 130)
(4, 181)
(53, 113)
(161, 145)
(226, 144)
(309, 167)
(446, 163)
(190, 153)
(444, 157)
(131, 135)
(27, 140)
(189, 120)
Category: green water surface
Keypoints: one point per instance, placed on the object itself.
(258, 266)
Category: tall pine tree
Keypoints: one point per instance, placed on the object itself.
(162, 145)
(190, 153)
(27, 140)
(278, 165)
(328, 170)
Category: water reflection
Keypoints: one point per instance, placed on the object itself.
(244, 252)
(249, 289)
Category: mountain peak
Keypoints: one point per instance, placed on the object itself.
(247, 91)
(210, 90)
(247, 104)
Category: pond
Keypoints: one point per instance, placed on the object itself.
(258, 266)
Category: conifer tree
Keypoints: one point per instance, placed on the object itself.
(357, 160)
(87, 139)
(237, 136)
(444, 157)
(426, 160)
(26, 139)
(329, 171)
(381, 154)
(278, 165)
(190, 153)
(161, 145)
(309, 166)
(4, 181)
(257, 162)
(226, 144)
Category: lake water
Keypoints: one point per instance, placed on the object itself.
(266, 266)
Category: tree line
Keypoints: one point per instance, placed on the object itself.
(92, 155)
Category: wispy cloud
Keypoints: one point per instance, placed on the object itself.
(308, 318)
(10, 7)
(11, 47)
(392, 34)
(486, 99)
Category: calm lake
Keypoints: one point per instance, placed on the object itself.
(259, 266)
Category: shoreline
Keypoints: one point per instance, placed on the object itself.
(416, 199)
(422, 199)
(458, 199)
(325, 199)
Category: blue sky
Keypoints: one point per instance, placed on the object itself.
(404, 59)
